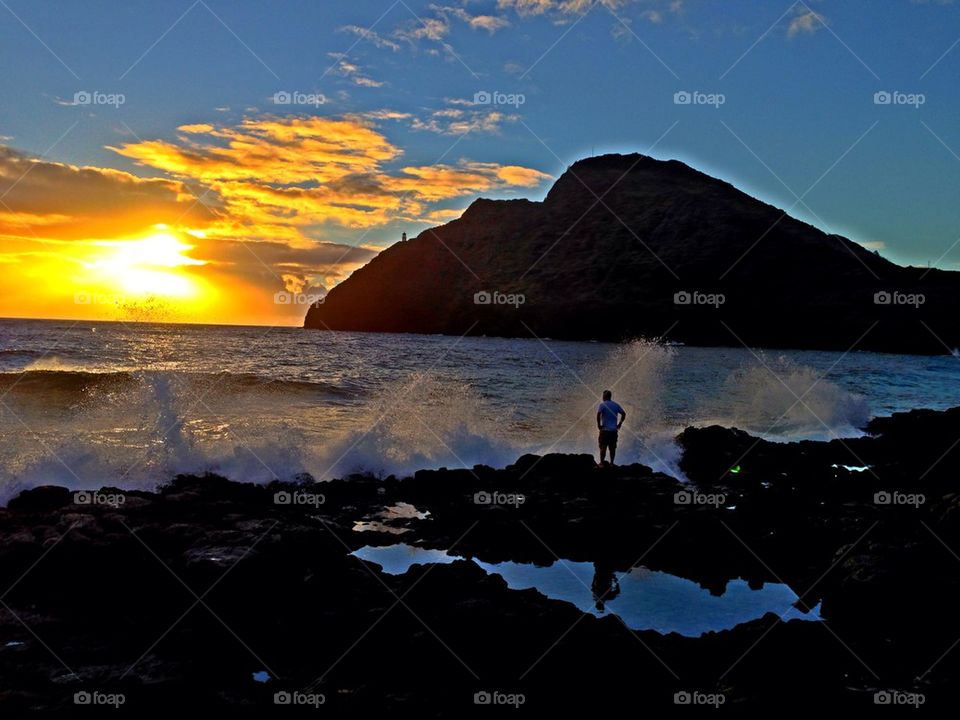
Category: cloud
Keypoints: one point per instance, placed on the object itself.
(807, 21)
(528, 7)
(440, 182)
(273, 263)
(386, 115)
(286, 150)
(57, 201)
(282, 178)
(424, 29)
(350, 70)
(371, 36)
(455, 121)
(521, 176)
(490, 23)
(443, 215)
(579, 7)
(437, 27)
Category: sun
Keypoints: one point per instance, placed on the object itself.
(148, 266)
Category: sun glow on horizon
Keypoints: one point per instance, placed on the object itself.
(149, 266)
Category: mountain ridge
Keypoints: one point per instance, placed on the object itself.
(604, 255)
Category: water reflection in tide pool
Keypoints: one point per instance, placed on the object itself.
(644, 599)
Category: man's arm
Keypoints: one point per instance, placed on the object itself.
(599, 423)
(623, 416)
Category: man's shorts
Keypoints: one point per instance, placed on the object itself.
(608, 439)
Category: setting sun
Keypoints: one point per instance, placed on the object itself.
(147, 266)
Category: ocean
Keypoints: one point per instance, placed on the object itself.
(91, 404)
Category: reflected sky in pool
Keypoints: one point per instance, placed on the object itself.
(647, 599)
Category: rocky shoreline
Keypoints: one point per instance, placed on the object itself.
(211, 593)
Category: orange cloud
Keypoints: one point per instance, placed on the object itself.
(440, 182)
(279, 177)
(281, 151)
(52, 200)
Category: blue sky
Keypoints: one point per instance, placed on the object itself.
(798, 82)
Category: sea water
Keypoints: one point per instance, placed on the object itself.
(87, 404)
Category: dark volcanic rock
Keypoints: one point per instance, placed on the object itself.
(609, 269)
(44, 497)
(176, 598)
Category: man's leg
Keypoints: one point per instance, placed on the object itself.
(603, 447)
(613, 448)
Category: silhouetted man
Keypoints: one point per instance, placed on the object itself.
(610, 417)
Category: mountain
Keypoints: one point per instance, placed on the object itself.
(627, 245)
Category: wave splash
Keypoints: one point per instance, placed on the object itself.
(139, 428)
(783, 400)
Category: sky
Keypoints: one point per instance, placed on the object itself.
(231, 160)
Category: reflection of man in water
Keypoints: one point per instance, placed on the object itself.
(610, 417)
(605, 584)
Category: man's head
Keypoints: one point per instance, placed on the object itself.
(607, 395)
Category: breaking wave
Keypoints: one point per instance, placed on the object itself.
(780, 399)
(78, 425)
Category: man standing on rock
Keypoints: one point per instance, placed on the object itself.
(610, 417)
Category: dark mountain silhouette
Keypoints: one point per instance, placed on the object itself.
(615, 241)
